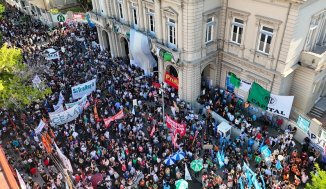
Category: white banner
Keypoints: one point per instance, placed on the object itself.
(52, 55)
(187, 174)
(21, 181)
(58, 109)
(65, 161)
(65, 116)
(280, 105)
(40, 127)
(245, 86)
(59, 104)
(81, 102)
(83, 89)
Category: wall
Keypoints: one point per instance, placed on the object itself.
(302, 87)
(301, 30)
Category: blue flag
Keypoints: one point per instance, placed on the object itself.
(90, 23)
(240, 182)
(278, 165)
(255, 181)
(263, 182)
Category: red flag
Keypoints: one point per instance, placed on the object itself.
(175, 126)
(156, 85)
(96, 114)
(153, 131)
(119, 115)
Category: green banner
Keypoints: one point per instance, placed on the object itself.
(235, 81)
(259, 96)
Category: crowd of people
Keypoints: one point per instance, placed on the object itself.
(130, 152)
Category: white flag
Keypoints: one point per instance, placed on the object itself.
(133, 110)
(187, 174)
(64, 159)
(21, 181)
(40, 127)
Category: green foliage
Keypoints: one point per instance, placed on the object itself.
(2, 10)
(54, 11)
(318, 180)
(16, 89)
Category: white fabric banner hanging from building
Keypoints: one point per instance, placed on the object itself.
(83, 89)
(139, 48)
(280, 105)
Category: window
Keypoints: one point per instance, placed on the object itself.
(209, 29)
(120, 9)
(237, 30)
(311, 38)
(171, 32)
(151, 21)
(265, 40)
(134, 15)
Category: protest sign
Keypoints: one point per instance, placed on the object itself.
(117, 116)
(83, 89)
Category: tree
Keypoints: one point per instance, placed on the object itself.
(318, 178)
(16, 88)
(2, 10)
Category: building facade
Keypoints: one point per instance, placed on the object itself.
(40, 9)
(279, 44)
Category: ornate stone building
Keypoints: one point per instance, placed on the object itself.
(279, 44)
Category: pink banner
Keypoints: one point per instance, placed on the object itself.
(175, 126)
(117, 116)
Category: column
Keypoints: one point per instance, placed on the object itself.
(100, 37)
(161, 70)
(112, 46)
(158, 21)
(141, 16)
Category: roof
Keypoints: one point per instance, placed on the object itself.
(224, 127)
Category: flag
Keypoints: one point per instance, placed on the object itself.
(255, 182)
(153, 131)
(21, 181)
(234, 80)
(96, 114)
(58, 108)
(262, 180)
(220, 162)
(46, 143)
(240, 182)
(156, 85)
(278, 165)
(133, 110)
(39, 128)
(259, 96)
(196, 134)
(187, 174)
(175, 126)
(59, 104)
(117, 116)
(65, 161)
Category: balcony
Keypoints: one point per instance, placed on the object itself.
(98, 19)
(315, 59)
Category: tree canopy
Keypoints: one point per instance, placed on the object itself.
(318, 179)
(16, 88)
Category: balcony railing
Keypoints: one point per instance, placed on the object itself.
(315, 59)
(98, 19)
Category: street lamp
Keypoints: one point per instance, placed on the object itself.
(162, 90)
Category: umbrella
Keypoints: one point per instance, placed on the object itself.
(196, 165)
(178, 156)
(181, 184)
(169, 161)
(96, 179)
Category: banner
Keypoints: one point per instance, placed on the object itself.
(22, 183)
(235, 81)
(152, 131)
(65, 116)
(83, 89)
(187, 174)
(229, 86)
(171, 80)
(57, 109)
(245, 86)
(40, 127)
(117, 116)
(174, 126)
(59, 104)
(82, 102)
(280, 105)
(51, 54)
(37, 80)
(303, 123)
(65, 161)
(259, 96)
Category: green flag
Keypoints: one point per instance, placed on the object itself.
(234, 80)
(167, 56)
(259, 96)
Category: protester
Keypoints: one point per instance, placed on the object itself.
(130, 152)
